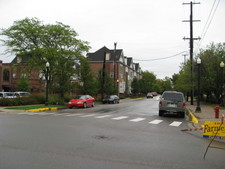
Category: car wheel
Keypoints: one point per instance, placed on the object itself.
(160, 113)
(71, 107)
(85, 105)
(93, 104)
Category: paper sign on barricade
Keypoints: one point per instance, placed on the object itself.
(212, 128)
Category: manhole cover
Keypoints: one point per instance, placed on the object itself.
(102, 137)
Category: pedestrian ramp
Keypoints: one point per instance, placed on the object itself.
(150, 120)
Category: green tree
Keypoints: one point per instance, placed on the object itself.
(167, 84)
(182, 81)
(24, 85)
(37, 43)
(88, 84)
(147, 82)
(211, 73)
(109, 88)
(135, 85)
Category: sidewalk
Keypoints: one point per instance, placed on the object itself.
(12, 111)
(207, 113)
(4, 110)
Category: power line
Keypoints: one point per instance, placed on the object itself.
(208, 22)
(149, 60)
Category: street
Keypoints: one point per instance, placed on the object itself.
(129, 135)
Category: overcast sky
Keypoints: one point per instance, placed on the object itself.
(145, 29)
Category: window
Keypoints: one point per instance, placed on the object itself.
(6, 75)
(112, 74)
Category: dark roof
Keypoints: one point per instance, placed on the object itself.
(99, 54)
(136, 66)
(129, 59)
(23, 59)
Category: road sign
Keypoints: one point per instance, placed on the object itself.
(212, 128)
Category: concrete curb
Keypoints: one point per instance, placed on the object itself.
(43, 109)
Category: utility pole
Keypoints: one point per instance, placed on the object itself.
(191, 44)
(103, 75)
(114, 63)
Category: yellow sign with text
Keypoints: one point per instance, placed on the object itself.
(212, 128)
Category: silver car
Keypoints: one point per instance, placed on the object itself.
(172, 102)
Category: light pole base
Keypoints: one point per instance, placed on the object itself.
(198, 109)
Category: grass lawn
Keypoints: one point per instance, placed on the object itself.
(32, 107)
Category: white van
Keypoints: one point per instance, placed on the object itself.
(21, 94)
(7, 95)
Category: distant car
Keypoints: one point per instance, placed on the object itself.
(172, 102)
(149, 95)
(82, 101)
(154, 93)
(111, 99)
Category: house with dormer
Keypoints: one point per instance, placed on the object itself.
(117, 66)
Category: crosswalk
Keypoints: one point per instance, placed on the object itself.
(108, 116)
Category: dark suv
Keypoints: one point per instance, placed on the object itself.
(172, 102)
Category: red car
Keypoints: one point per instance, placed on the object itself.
(149, 95)
(82, 101)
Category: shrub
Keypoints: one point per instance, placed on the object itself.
(32, 99)
(55, 100)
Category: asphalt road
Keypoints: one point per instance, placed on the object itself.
(128, 135)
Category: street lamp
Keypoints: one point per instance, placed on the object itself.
(47, 80)
(222, 91)
(118, 87)
(198, 108)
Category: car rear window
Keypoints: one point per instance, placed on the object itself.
(173, 96)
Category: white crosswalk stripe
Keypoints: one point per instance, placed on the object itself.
(137, 119)
(99, 117)
(69, 115)
(88, 115)
(61, 114)
(46, 113)
(31, 113)
(155, 121)
(23, 113)
(120, 118)
(176, 123)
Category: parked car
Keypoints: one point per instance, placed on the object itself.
(82, 101)
(154, 93)
(172, 102)
(21, 94)
(7, 95)
(111, 99)
(149, 95)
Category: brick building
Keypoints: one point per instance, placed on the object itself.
(11, 73)
(124, 67)
(115, 62)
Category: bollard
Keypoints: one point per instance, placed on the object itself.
(217, 111)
